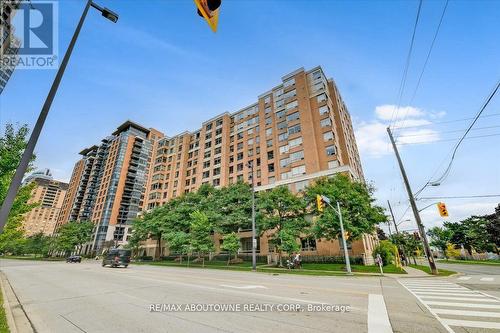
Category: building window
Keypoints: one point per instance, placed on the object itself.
(295, 142)
(271, 180)
(216, 171)
(308, 244)
(291, 105)
(208, 144)
(217, 161)
(206, 174)
(300, 170)
(324, 110)
(330, 150)
(294, 129)
(280, 114)
(326, 122)
(282, 125)
(284, 149)
(284, 162)
(239, 146)
(321, 98)
(269, 131)
(269, 143)
(239, 167)
(270, 155)
(217, 150)
(218, 141)
(231, 169)
(289, 83)
(327, 136)
(267, 99)
(297, 156)
(216, 182)
(208, 127)
(206, 164)
(239, 157)
(270, 167)
(269, 121)
(292, 116)
(282, 137)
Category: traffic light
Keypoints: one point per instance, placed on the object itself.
(347, 235)
(209, 10)
(442, 209)
(320, 203)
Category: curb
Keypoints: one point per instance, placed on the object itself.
(16, 317)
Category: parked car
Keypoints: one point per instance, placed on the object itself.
(74, 259)
(116, 258)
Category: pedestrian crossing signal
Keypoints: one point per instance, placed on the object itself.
(320, 203)
(209, 10)
(442, 209)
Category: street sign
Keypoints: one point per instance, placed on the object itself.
(206, 9)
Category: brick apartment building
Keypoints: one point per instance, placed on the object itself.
(108, 183)
(296, 132)
(49, 194)
(9, 44)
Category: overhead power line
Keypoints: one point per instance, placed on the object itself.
(446, 140)
(427, 59)
(446, 122)
(407, 65)
(444, 132)
(448, 168)
(462, 197)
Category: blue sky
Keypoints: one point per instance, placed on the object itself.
(161, 66)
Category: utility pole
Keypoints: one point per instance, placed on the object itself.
(414, 208)
(30, 147)
(393, 219)
(254, 240)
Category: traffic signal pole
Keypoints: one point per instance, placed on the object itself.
(414, 208)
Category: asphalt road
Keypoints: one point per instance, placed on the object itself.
(60, 297)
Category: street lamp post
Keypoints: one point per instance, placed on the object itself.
(342, 233)
(254, 239)
(30, 147)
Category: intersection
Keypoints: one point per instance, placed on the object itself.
(88, 298)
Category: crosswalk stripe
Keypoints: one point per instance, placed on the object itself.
(423, 289)
(443, 298)
(483, 299)
(470, 323)
(465, 305)
(462, 293)
(464, 278)
(467, 313)
(486, 279)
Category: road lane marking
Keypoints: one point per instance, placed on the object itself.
(486, 279)
(483, 299)
(464, 278)
(243, 287)
(470, 323)
(468, 313)
(465, 305)
(378, 319)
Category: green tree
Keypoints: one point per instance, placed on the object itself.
(180, 242)
(282, 215)
(360, 214)
(440, 238)
(387, 251)
(493, 229)
(231, 243)
(39, 244)
(234, 203)
(73, 235)
(408, 243)
(200, 234)
(12, 145)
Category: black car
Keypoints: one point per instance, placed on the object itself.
(116, 258)
(74, 259)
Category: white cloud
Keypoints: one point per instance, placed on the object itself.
(392, 112)
(372, 136)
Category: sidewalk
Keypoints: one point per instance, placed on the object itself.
(413, 272)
